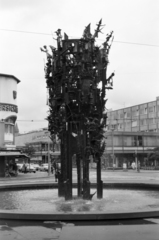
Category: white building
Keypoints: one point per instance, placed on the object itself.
(8, 106)
(8, 116)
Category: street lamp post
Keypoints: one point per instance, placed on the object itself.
(113, 146)
(49, 162)
(136, 152)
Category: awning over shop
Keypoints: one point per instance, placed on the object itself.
(15, 154)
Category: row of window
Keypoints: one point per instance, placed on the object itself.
(135, 141)
(132, 141)
(134, 113)
(134, 123)
(44, 147)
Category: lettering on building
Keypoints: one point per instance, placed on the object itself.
(8, 107)
(39, 136)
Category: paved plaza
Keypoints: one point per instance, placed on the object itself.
(149, 176)
(121, 229)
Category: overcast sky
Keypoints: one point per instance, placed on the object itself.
(27, 25)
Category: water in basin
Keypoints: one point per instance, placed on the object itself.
(46, 201)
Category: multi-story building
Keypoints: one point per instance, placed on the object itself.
(139, 118)
(41, 143)
(122, 146)
(8, 116)
(8, 105)
(130, 130)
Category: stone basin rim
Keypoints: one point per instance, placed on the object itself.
(85, 216)
(119, 185)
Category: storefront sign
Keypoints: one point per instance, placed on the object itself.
(39, 137)
(8, 107)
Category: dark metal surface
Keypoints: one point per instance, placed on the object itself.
(77, 116)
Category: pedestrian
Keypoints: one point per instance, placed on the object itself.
(138, 166)
(55, 168)
(15, 169)
(56, 175)
(124, 166)
(52, 170)
(133, 165)
(24, 168)
(54, 165)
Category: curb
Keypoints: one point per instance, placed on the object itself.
(11, 215)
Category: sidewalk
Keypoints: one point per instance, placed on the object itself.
(25, 176)
(144, 176)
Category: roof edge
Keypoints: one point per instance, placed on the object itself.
(11, 76)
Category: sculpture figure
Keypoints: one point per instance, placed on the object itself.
(77, 105)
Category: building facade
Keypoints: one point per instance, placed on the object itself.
(41, 143)
(132, 130)
(8, 116)
(8, 106)
(139, 118)
(122, 146)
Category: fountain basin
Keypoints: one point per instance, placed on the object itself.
(120, 201)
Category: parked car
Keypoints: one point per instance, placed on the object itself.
(59, 166)
(36, 166)
(19, 165)
(44, 167)
(28, 168)
(31, 168)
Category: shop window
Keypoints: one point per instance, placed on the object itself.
(134, 141)
(140, 141)
(137, 141)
